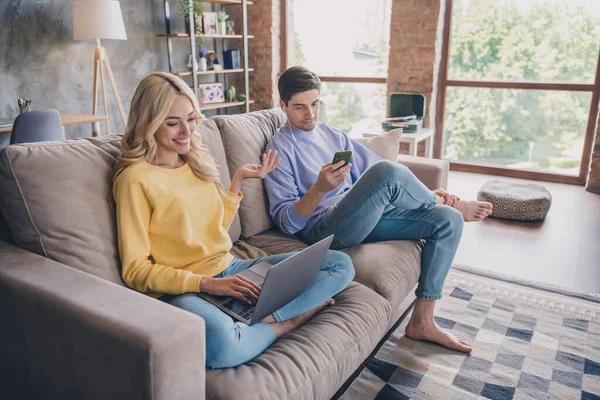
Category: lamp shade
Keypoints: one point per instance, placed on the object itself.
(98, 19)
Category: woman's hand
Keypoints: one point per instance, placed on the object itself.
(269, 163)
(235, 286)
(254, 171)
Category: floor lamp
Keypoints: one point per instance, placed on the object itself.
(100, 19)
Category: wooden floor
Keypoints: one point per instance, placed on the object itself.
(562, 250)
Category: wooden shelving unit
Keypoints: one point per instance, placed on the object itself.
(228, 2)
(211, 36)
(225, 71)
(214, 106)
(245, 70)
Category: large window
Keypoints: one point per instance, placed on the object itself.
(530, 40)
(519, 89)
(521, 129)
(354, 107)
(347, 44)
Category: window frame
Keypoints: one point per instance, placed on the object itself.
(444, 83)
(284, 55)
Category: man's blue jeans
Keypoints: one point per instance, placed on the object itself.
(230, 343)
(389, 203)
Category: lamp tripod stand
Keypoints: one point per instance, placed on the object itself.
(100, 62)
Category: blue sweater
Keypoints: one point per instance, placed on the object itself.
(303, 154)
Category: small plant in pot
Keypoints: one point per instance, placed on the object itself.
(222, 18)
(197, 9)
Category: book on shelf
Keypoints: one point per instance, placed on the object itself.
(401, 119)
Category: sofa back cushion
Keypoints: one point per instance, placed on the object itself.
(212, 139)
(57, 199)
(57, 202)
(385, 145)
(5, 234)
(245, 138)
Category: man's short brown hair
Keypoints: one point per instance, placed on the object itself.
(296, 80)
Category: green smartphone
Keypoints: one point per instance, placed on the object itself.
(342, 155)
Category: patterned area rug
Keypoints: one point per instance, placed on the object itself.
(530, 341)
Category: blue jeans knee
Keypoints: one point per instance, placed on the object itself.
(343, 266)
(387, 171)
(455, 221)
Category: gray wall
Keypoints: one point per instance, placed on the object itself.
(40, 60)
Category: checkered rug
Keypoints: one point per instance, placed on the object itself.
(529, 341)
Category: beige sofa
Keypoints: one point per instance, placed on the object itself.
(72, 329)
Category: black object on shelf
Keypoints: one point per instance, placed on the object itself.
(231, 59)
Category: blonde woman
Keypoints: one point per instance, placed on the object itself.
(172, 219)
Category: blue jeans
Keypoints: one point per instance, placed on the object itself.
(230, 343)
(389, 203)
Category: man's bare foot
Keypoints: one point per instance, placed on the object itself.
(430, 331)
(473, 211)
(281, 328)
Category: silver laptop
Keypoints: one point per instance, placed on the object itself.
(281, 283)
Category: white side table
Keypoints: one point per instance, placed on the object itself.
(413, 140)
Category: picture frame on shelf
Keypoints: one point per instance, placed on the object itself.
(210, 93)
(209, 21)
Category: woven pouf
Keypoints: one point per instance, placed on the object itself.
(516, 201)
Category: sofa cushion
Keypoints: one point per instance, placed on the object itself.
(385, 145)
(390, 268)
(314, 360)
(432, 172)
(246, 251)
(245, 138)
(274, 241)
(57, 199)
(5, 233)
(212, 139)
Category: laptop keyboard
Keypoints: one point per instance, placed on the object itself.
(241, 309)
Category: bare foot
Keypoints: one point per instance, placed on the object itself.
(433, 333)
(473, 211)
(281, 328)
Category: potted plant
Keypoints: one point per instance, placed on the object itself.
(222, 27)
(196, 7)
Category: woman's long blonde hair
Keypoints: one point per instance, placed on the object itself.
(150, 106)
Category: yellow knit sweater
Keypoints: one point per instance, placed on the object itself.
(172, 228)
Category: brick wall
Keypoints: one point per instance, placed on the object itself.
(415, 50)
(593, 181)
(264, 23)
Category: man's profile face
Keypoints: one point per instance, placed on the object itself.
(302, 110)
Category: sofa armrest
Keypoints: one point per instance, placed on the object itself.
(432, 172)
(69, 334)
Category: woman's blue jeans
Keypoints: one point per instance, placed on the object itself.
(389, 203)
(230, 343)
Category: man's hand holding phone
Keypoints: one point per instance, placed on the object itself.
(334, 173)
(330, 177)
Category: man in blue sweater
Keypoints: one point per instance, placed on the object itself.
(367, 200)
